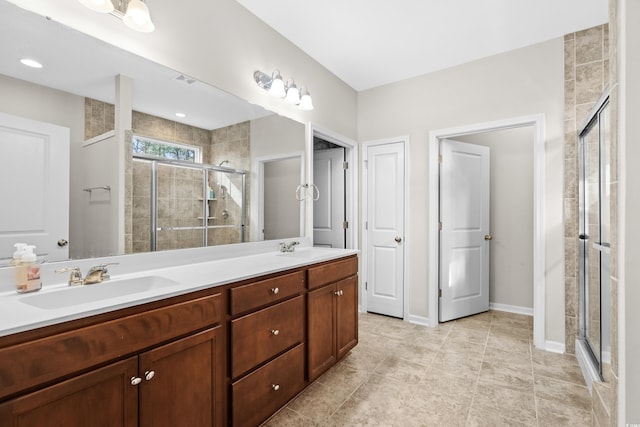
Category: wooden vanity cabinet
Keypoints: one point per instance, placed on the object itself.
(332, 314)
(177, 381)
(266, 346)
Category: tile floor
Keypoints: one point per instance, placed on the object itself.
(477, 371)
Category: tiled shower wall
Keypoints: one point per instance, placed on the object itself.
(179, 187)
(586, 77)
(590, 68)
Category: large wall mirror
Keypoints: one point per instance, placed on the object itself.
(156, 160)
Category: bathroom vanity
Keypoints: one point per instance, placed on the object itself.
(228, 353)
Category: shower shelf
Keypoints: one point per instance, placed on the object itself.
(208, 200)
(208, 218)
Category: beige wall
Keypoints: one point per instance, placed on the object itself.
(518, 83)
(511, 257)
(235, 44)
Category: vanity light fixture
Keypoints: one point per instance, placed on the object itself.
(134, 13)
(274, 84)
(306, 103)
(293, 95)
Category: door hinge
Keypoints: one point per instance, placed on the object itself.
(345, 165)
(439, 293)
(366, 164)
(366, 225)
(440, 158)
(440, 226)
(366, 286)
(345, 224)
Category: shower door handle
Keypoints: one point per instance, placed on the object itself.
(583, 237)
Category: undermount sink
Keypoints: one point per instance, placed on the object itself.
(305, 253)
(75, 295)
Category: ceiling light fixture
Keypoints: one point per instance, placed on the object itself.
(181, 115)
(134, 13)
(31, 63)
(274, 84)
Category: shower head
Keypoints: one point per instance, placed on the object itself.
(223, 162)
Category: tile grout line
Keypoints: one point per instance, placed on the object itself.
(475, 386)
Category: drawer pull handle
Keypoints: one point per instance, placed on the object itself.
(136, 380)
(275, 331)
(276, 387)
(275, 291)
(149, 375)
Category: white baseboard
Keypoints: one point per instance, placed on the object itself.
(554, 347)
(511, 308)
(418, 320)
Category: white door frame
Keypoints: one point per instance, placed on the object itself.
(351, 181)
(539, 284)
(407, 234)
(257, 192)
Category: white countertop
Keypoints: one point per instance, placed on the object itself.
(18, 313)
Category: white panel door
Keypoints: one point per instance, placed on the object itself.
(329, 209)
(35, 201)
(464, 238)
(385, 228)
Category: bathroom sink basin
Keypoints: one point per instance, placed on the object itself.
(114, 288)
(306, 253)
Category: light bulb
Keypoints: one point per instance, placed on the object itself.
(138, 17)
(277, 86)
(306, 103)
(293, 96)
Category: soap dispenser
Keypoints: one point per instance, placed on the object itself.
(28, 271)
(17, 255)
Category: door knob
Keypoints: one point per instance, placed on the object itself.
(398, 239)
(62, 243)
(488, 237)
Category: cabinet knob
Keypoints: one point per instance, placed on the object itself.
(336, 293)
(275, 291)
(339, 292)
(149, 374)
(136, 380)
(276, 387)
(275, 331)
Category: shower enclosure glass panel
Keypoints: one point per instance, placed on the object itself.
(179, 205)
(594, 236)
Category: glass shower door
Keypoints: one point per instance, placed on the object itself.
(594, 236)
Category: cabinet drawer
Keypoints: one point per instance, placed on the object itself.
(36, 362)
(258, 395)
(258, 336)
(254, 295)
(331, 272)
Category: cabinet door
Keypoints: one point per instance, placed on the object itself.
(321, 337)
(347, 315)
(183, 382)
(104, 397)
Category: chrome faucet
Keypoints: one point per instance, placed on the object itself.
(288, 247)
(96, 274)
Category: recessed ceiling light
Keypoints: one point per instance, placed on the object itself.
(181, 115)
(31, 63)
